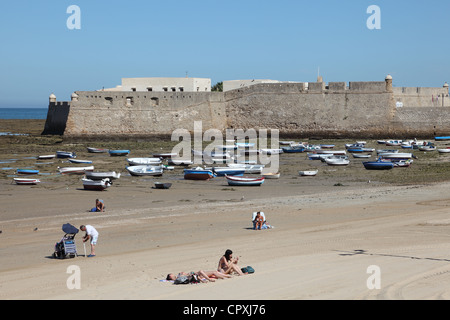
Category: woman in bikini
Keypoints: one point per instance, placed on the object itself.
(228, 265)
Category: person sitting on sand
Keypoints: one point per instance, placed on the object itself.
(204, 276)
(99, 206)
(258, 221)
(228, 265)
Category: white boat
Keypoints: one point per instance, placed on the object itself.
(96, 150)
(361, 155)
(308, 172)
(26, 181)
(333, 152)
(75, 170)
(337, 161)
(144, 161)
(271, 151)
(427, 148)
(98, 185)
(145, 170)
(249, 168)
(396, 155)
(244, 181)
(102, 175)
(394, 142)
(286, 143)
(79, 161)
(447, 150)
(271, 175)
(46, 157)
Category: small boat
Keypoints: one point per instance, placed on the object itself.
(145, 170)
(294, 149)
(226, 147)
(271, 175)
(179, 162)
(381, 141)
(162, 185)
(223, 171)
(402, 163)
(286, 143)
(271, 151)
(97, 185)
(144, 161)
(447, 150)
(165, 155)
(96, 150)
(198, 174)
(332, 152)
(396, 155)
(65, 154)
(244, 181)
(27, 171)
(26, 181)
(427, 148)
(249, 168)
(118, 153)
(102, 175)
(244, 144)
(378, 165)
(337, 161)
(360, 150)
(386, 151)
(327, 146)
(308, 172)
(394, 142)
(314, 156)
(46, 157)
(79, 161)
(75, 170)
(443, 138)
(323, 157)
(361, 155)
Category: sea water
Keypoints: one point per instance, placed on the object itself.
(23, 113)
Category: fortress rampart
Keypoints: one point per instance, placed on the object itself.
(361, 109)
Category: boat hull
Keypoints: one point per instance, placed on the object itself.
(244, 181)
(24, 181)
(376, 165)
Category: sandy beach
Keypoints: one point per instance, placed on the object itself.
(326, 239)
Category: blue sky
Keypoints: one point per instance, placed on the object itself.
(284, 40)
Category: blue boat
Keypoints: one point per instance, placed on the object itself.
(65, 154)
(118, 152)
(293, 149)
(27, 171)
(225, 171)
(378, 165)
(442, 138)
(198, 174)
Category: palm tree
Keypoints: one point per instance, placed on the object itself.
(218, 87)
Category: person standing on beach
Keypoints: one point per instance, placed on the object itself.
(92, 235)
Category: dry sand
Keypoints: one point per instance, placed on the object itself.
(323, 242)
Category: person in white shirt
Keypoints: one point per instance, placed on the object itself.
(91, 234)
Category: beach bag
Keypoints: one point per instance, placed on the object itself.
(181, 280)
(248, 270)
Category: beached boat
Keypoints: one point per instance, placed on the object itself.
(102, 175)
(165, 155)
(26, 181)
(222, 171)
(293, 149)
(244, 144)
(308, 172)
(442, 138)
(271, 151)
(65, 154)
(446, 150)
(249, 168)
(162, 185)
(226, 147)
(144, 161)
(360, 150)
(79, 161)
(378, 165)
(286, 143)
(361, 155)
(396, 155)
(337, 161)
(327, 146)
(198, 174)
(118, 153)
(394, 142)
(314, 156)
(46, 157)
(97, 185)
(271, 175)
(379, 151)
(427, 148)
(180, 162)
(323, 157)
(96, 150)
(402, 163)
(145, 170)
(27, 171)
(75, 170)
(244, 181)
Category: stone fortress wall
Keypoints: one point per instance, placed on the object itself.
(359, 109)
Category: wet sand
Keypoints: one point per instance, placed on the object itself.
(328, 231)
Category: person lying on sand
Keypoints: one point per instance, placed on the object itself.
(204, 276)
(228, 265)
